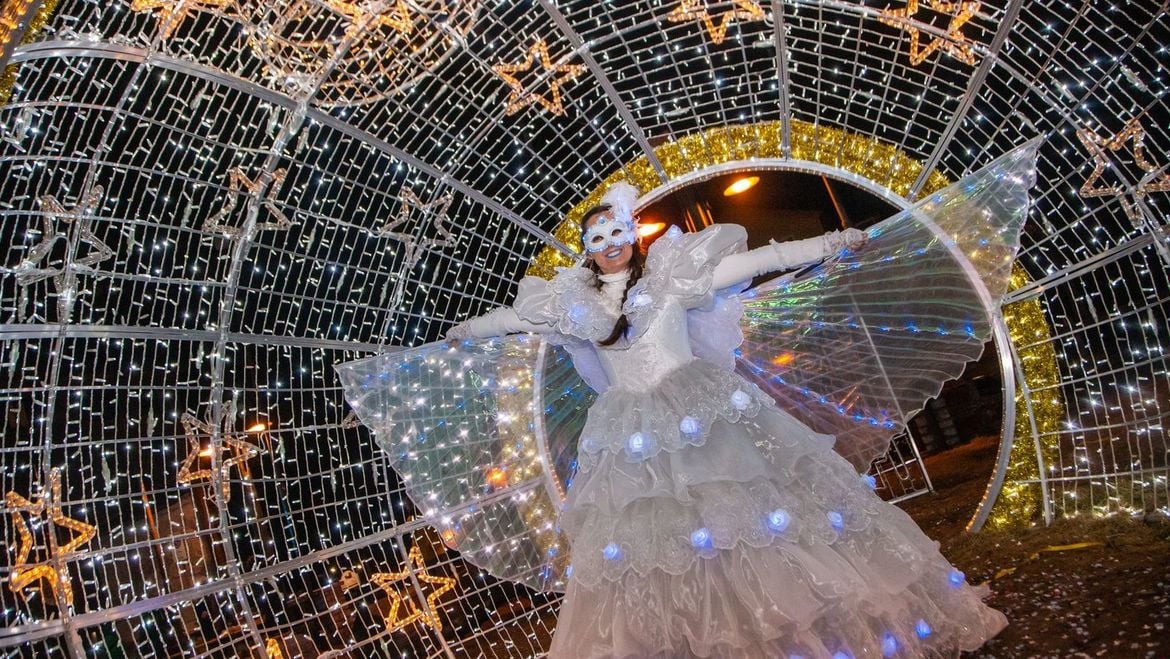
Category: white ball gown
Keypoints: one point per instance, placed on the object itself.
(689, 509)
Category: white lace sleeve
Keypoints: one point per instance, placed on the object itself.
(536, 301)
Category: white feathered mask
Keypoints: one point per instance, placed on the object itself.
(617, 227)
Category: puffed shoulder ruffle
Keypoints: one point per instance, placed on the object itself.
(569, 302)
(682, 265)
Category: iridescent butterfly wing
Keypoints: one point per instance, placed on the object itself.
(483, 434)
(858, 344)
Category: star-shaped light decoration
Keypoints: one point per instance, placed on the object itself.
(520, 97)
(1155, 178)
(696, 10)
(393, 14)
(34, 267)
(428, 615)
(197, 430)
(434, 231)
(954, 43)
(263, 191)
(51, 570)
(172, 13)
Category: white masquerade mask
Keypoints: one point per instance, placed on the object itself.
(615, 227)
(609, 231)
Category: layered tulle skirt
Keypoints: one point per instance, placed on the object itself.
(706, 522)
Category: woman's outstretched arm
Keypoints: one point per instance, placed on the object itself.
(775, 256)
(497, 322)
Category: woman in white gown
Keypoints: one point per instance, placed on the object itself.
(704, 520)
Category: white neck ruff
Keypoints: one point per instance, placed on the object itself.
(615, 276)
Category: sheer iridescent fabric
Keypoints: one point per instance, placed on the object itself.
(701, 495)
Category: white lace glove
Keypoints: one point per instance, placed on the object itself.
(850, 239)
(459, 332)
(774, 256)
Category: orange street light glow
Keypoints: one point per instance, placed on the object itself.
(741, 185)
(650, 228)
(259, 427)
(497, 477)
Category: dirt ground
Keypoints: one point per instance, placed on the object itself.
(1107, 600)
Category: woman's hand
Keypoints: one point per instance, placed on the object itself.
(850, 239)
(459, 332)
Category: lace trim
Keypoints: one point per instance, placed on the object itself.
(781, 612)
(783, 511)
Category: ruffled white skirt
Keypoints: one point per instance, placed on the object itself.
(706, 522)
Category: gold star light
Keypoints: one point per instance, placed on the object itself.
(195, 430)
(429, 616)
(172, 13)
(1155, 179)
(434, 213)
(51, 570)
(954, 43)
(521, 98)
(696, 10)
(263, 191)
(366, 15)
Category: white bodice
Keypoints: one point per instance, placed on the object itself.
(661, 349)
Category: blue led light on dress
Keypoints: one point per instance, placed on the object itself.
(577, 312)
(689, 425)
(835, 519)
(778, 520)
(922, 629)
(842, 654)
(589, 445)
(636, 443)
(870, 481)
(673, 232)
(956, 577)
(641, 300)
(889, 645)
(611, 551)
(701, 538)
(740, 399)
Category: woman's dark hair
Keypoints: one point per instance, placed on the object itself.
(637, 261)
